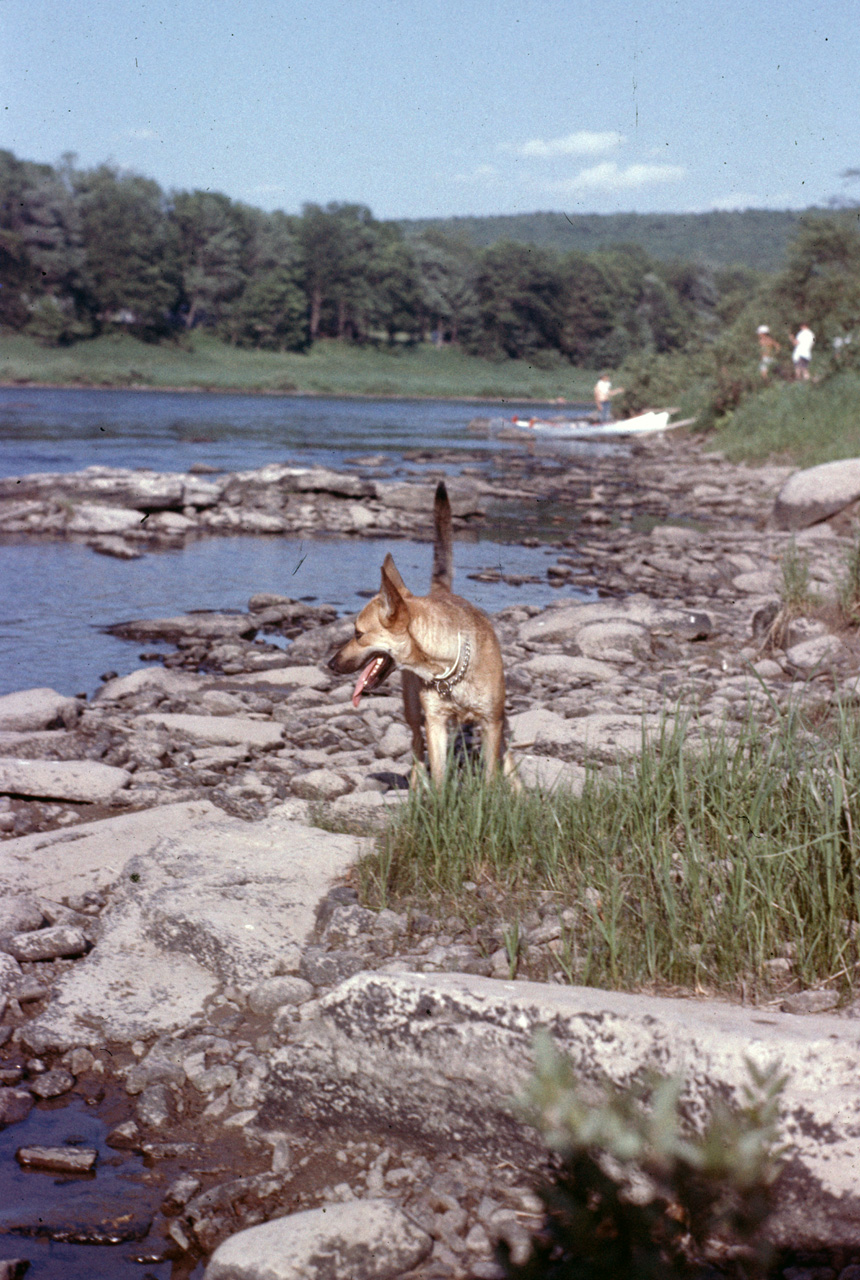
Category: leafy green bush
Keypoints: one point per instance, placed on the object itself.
(637, 1192)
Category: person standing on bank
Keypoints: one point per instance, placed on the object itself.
(768, 347)
(603, 393)
(804, 341)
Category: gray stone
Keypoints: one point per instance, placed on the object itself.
(52, 1084)
(15, 1105)
(222, 902)
(154, 1107)
(320, 784)
(361, 1240)
(269, 996)
(36, 709)
(809, 655)
(287, 677)
(550, 774)
(92, 856)
(216, 729)
(47, 944)
(19, 913)
(325, 968)
(163, 679)
(111, 544)
(10, 975)
(58, 1159)
(817, 493)
(90, 518)
(85, 781)
(568, 671)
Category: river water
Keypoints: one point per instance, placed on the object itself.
(56, 597)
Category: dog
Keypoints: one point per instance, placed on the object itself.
(447, 650)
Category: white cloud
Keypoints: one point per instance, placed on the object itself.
(581, 143)
(609, 176)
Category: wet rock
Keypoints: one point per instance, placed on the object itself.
(15, 1105)
(154, 1106)
(92, 519)
(364, 1240)
(52, 1084)
(116, 546)
(204, 625)
(58, 1159)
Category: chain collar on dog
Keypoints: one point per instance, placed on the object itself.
(457, 670)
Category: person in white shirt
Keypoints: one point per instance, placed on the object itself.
(603, 393)
(804, 341)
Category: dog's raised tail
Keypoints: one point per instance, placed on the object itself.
(443, 543)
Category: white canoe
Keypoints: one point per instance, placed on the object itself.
(585, 429)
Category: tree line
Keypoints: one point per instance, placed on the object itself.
(83, 251)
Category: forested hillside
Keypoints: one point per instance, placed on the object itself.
(756, 238)
(90, 251)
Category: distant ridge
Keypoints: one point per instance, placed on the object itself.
(752, 237)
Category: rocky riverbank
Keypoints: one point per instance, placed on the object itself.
(173, 922)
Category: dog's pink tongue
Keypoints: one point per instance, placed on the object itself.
(362, 680)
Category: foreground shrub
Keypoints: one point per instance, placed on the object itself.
(637, 1192)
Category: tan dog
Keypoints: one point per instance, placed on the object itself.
(448, 650)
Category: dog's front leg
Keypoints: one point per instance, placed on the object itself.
(436, 727)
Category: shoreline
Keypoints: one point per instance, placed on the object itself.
(274, 392)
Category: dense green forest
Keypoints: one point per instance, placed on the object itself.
(672, 302)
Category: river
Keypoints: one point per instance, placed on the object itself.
(56, 597)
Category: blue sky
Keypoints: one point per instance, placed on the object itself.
(423, 108)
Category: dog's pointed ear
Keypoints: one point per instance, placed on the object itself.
(393, 590)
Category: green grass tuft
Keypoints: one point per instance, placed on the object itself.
(724, 862)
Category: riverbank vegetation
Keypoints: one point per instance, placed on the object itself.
(201, 361)
(715, 862)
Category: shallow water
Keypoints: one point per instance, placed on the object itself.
(39, 1201)
(58, 596)
(55, 597)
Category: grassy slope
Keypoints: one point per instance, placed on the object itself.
(805, 423)
(329, 368)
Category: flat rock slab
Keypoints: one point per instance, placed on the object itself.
(439, 1057)
(36, 709)
(56, 864)
(160, 679)
(86, 781)
(362, 1240)
(217, 729)
(817, 493)
(301, 677)
(206, 626)
(222, 902)
(602, 737)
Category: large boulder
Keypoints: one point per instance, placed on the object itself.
(36, 709)
(813, 495)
